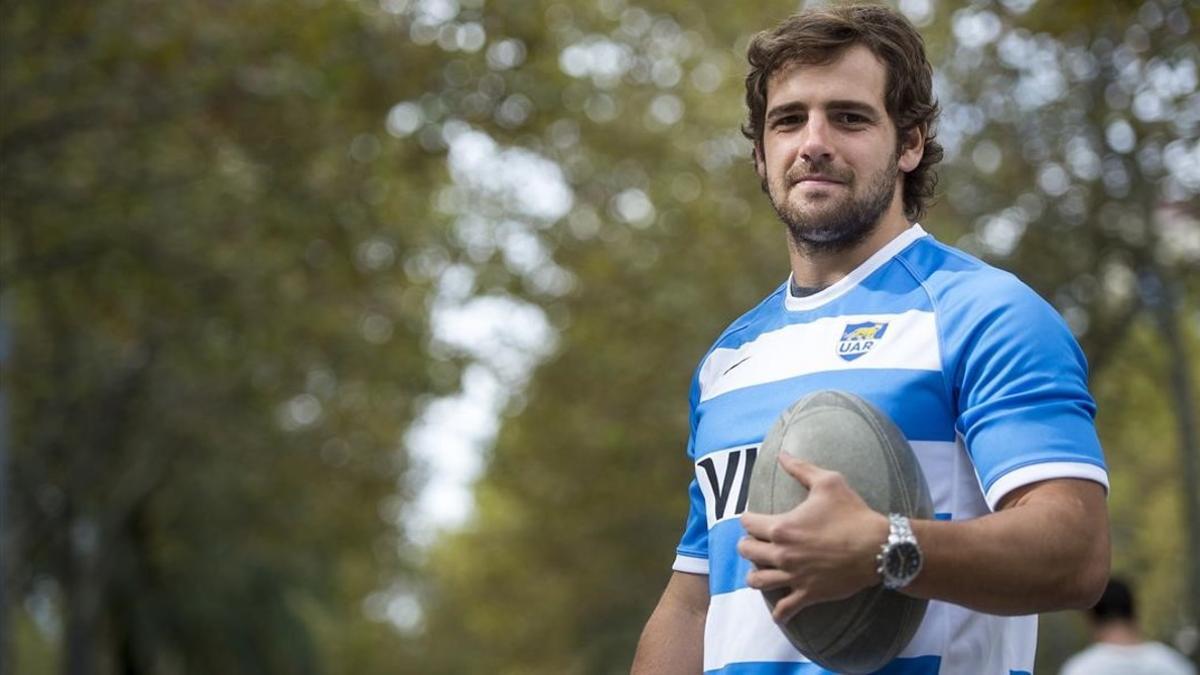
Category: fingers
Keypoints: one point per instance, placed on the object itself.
(766, 578)
(787, 608)
(761, 553)
(759, 525)
(805, 472)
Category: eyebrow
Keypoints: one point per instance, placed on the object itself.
(785, 109)
(843, 105)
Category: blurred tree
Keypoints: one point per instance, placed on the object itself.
(577, 516)
(215, 338)
(1072, 146)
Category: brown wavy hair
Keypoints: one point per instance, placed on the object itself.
(819, 37)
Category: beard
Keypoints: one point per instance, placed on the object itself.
(839, 226)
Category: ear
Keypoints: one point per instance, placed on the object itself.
(912, 149)
(760, 162)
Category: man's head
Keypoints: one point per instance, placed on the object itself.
(1115, 605)
(813, 62)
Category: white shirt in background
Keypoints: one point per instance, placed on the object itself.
(1147, 658)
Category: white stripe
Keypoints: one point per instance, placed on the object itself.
(1044, 471)
(686, 563)
(843, 285)
(1020, 641)
(740, 629)
(937, 459)
(953, 483)
(910, 342)
(983, 643)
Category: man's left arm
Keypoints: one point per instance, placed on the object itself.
(1045, 548)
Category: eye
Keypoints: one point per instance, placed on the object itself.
(851, 119)
(787, 121)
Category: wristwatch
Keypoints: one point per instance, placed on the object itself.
(900, 557)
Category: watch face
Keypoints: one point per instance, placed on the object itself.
(903, 561)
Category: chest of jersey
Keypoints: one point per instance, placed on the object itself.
(891, 360)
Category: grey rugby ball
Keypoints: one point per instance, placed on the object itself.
(842, 432)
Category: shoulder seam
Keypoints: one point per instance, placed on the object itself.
(945, 248)
(734, 329)
(937, 321)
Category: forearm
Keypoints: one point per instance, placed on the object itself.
(673, 639)
(1045, 550)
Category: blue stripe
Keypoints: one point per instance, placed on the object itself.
(726, 570)
(943, 516)
(914, 399)
(921, 665)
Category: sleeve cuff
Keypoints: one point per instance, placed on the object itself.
(1033, 473)
(689, 564)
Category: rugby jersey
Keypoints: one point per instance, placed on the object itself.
(981, 375)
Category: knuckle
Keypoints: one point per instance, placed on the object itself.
(789, 606)
(802, 594)
(782, 611)
(832, 479)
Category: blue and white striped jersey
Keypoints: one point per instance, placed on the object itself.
(980, 374)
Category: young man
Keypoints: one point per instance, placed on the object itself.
(980, 374)
(1120, 648)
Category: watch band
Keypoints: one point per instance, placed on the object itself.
(902, 544)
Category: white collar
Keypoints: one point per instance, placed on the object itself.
(843, 285)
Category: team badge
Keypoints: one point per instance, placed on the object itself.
(860, 338)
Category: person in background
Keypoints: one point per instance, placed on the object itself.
(1119, 647)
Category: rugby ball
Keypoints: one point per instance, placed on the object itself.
(842, 432)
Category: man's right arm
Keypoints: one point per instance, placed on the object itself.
(673, 640)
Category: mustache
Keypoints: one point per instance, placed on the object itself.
(819, 169)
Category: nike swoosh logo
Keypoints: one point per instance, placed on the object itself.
(744, 359)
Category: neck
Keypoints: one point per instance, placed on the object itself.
(818, 269)
(1117, 633)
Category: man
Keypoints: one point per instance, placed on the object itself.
(1120, 648)
(980, 374)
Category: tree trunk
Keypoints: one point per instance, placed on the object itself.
(7, 643)
(81, 638)
(1179, 376)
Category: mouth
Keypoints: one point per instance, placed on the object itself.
(817, 180)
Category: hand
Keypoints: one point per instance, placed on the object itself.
(824, 549)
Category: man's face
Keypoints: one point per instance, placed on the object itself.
(829, 155)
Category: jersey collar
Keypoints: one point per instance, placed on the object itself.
(843, 285)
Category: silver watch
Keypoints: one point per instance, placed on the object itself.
(899, 558)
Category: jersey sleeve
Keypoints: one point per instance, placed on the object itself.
(1020, 383)
(692, 553)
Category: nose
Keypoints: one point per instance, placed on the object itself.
(815, 147)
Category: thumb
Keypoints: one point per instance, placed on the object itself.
(805, 472)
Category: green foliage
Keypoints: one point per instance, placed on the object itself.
(215, 344)
(584, 497)
(1138, 425)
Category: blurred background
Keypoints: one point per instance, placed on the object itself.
(354, 336)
